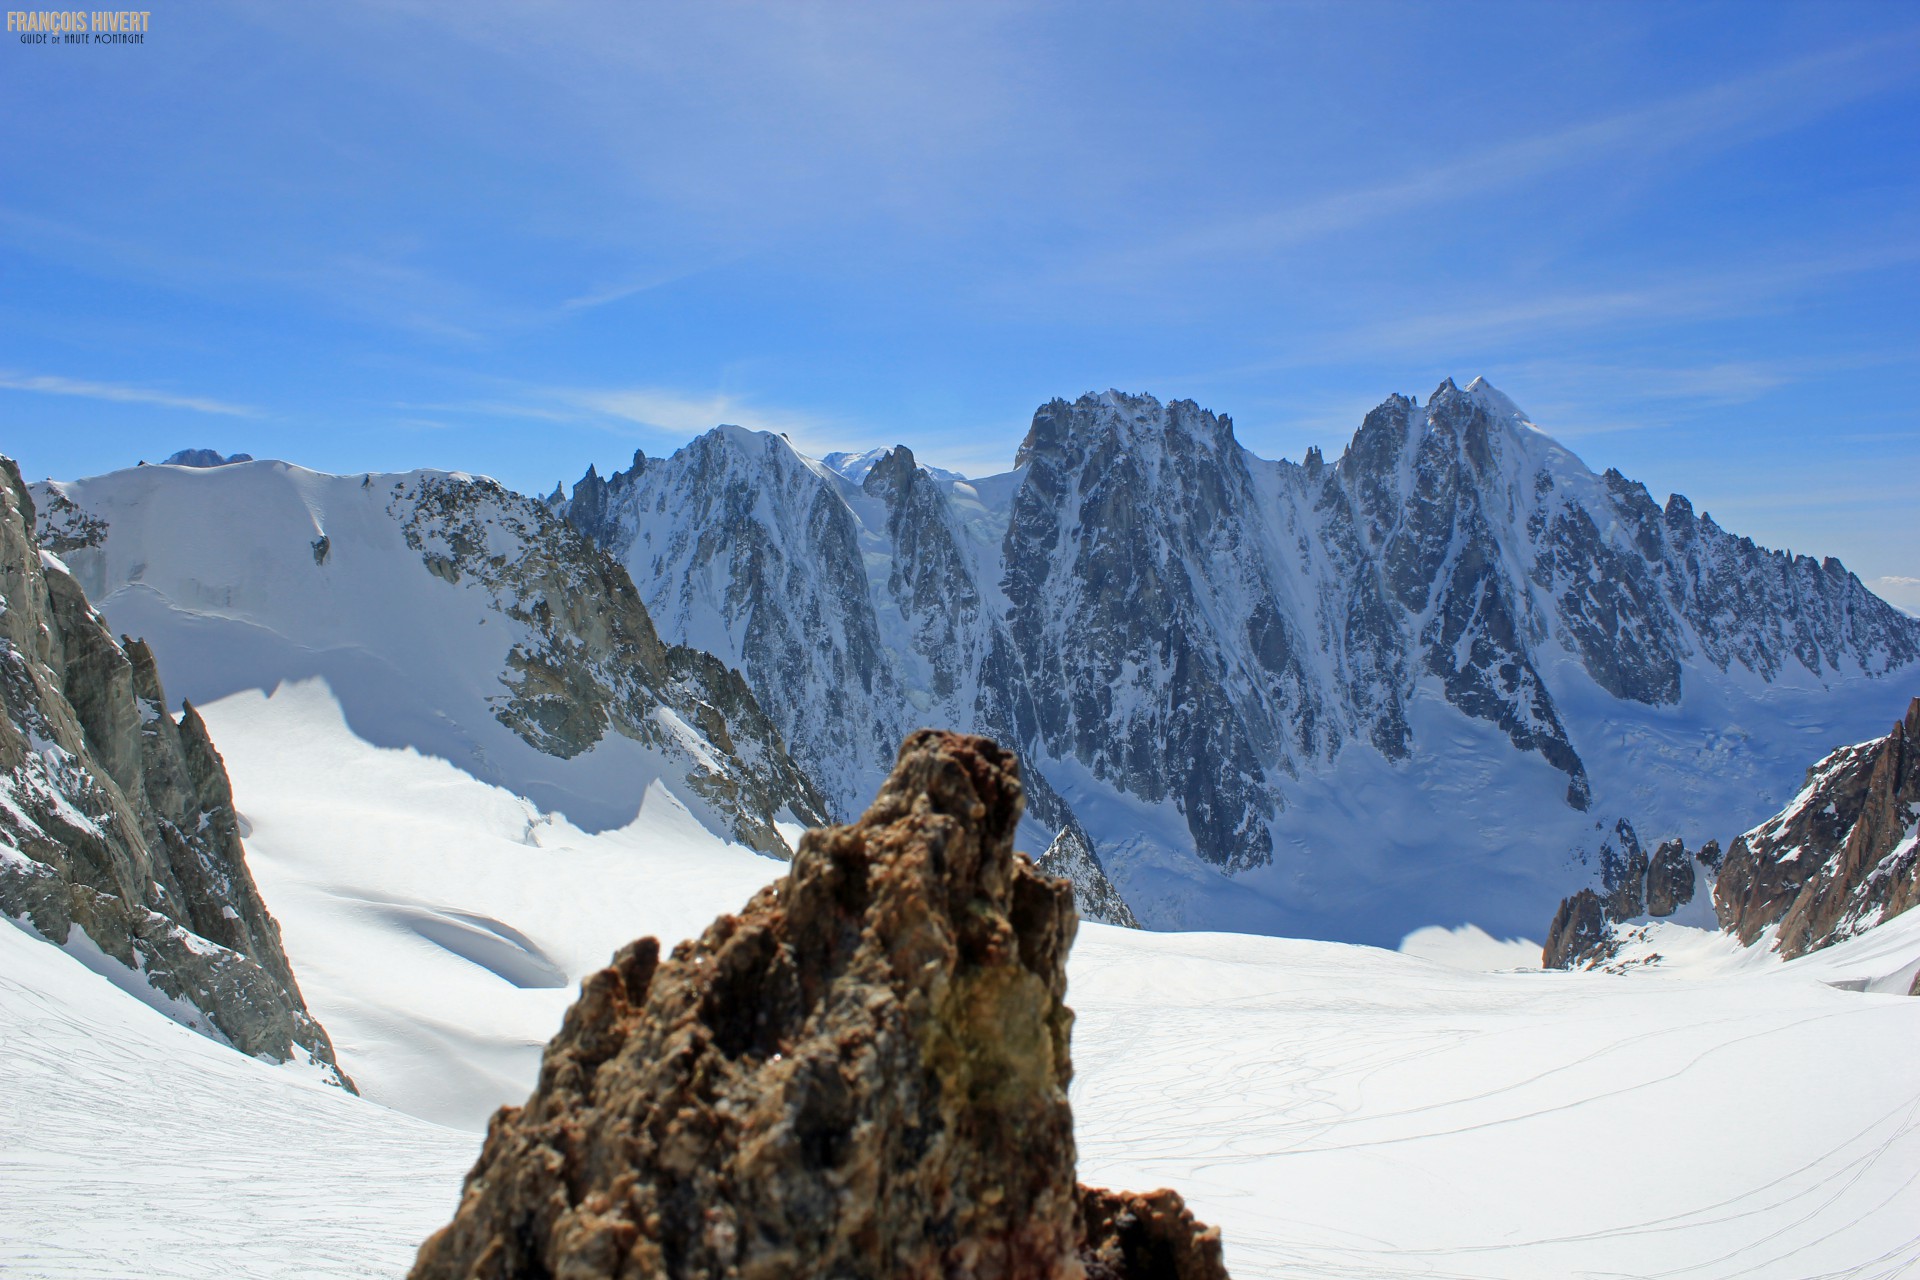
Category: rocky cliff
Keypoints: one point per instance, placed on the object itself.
(1205, 655)
(1839, 859)
(858, 609)
(864, 1073)
(1633, 885)
(117, 825)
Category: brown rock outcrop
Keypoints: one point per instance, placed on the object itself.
(862, 1074)
(1838, 860)
(1581, 932)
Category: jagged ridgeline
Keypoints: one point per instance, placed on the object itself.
(118, 836)
(446, 614)
(1424, 682)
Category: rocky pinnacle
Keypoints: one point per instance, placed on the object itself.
(863, 1073)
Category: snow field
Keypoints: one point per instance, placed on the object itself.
(1338, 1110)
(1345, 1111)
(131, 1146)
(439, 926)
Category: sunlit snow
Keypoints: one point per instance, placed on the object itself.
(1338, 1110)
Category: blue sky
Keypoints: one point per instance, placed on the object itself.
(517, 237)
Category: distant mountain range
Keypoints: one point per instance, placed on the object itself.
(1420, 684)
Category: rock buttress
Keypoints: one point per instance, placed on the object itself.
(862, 1074)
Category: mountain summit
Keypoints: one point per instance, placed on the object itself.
(1344, 700)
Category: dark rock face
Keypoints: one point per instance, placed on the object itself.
(1623, 873)
(1131, 528)
(206, 458)
(1669, 879)
(1631, 885)
(1581, 932)
(863, 1074)
(119, 820)
(1071, 858)
(1429, 491)
(929, 578)
(1841, 858)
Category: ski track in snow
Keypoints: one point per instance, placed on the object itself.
(1340, 1111)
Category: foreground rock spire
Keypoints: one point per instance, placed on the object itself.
(864, 1073)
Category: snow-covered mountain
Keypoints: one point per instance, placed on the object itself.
(1421, 684)
(118, 836)
(446, 614)
(858, 612)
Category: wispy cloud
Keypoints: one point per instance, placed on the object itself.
(679, 412)
(48, 384)
(1733, 291)
(496, 409)
(1900, 591)
(667, 411)
(1753, 106)
(633, 288)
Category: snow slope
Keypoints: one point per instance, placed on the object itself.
(1338, 1110)
(130, 1146)
(1343, 1111)
(440, 925)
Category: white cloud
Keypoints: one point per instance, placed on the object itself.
(1900, 591)
(47, 384)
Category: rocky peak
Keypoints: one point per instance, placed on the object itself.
(1632, 885)
(891, 473)
(592, 510)
(1116, 422)
(205, 458)
(864, 1073)
(1071, 858)
(1581, 932)
(1670, 878)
